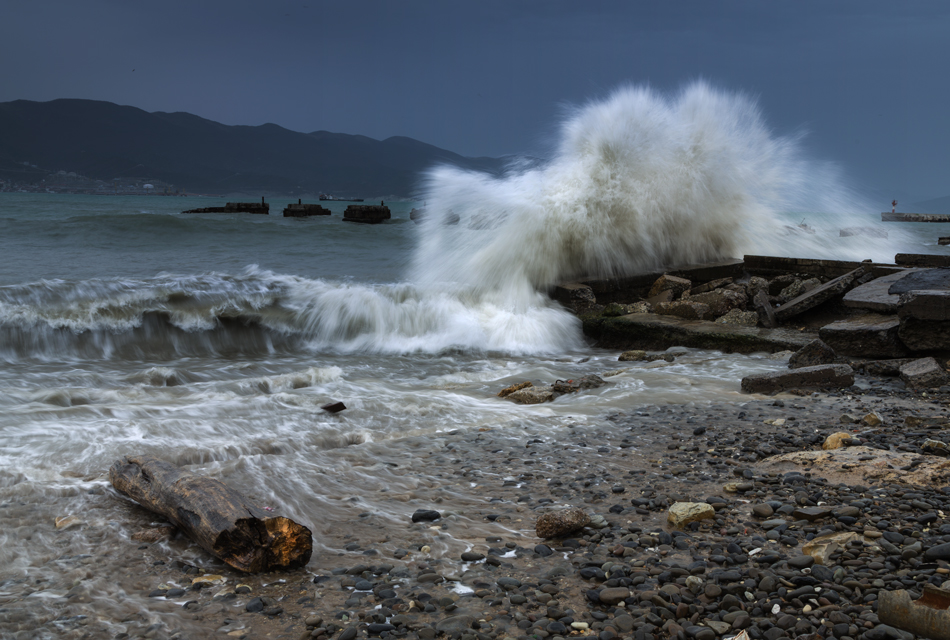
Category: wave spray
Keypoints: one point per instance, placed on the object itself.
(640, 181)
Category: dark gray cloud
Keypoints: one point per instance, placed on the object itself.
(866, 80)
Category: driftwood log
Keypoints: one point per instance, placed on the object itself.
(214, 515)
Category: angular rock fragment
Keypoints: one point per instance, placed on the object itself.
(720, 302)
(532, 395)
(836, 440)
(683, 309)
(632, 356)
(812, 354)
(676, 286)
(555, 524)
(575, 296)
(507, 391)
(826, 376)
(682, 513)
(925, 373)
(741, 318)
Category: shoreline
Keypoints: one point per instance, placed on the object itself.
(496, 482)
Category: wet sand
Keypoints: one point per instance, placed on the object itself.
(490, 485)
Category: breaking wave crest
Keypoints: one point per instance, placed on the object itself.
(260, 312)
(641, 181)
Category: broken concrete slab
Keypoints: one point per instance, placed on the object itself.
(653, 332)
(925, 304)
(925, 373)
(922, 280)
(825, 376)
(864, 466)
(771, 266)
(811, 299)
(868, 336)
(814, 353)
(875, 295)
(922, 260)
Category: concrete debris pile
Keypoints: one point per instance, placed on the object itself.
(879, 319)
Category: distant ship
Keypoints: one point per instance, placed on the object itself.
(324, 196)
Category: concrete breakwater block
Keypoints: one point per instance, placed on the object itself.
(868, 336)
(825, 376)
(922, 260)
(925, 320)
(304, 210)
(925, 373)
(368, 214)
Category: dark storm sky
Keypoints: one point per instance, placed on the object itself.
(869, 81)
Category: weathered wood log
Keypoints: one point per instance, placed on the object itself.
(214, 515)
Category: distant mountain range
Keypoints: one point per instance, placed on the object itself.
(105, 141)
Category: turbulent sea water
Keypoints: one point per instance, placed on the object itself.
(213, 340)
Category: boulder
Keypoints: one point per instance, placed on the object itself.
(741, 318)
(721, 301)
(863, 465)
(615, 309)
(682, 513)
(810, 299)
(640, 307)
(632, 356)
(507, 391)
(575, 296)
(814, 353)
(756, 284)
(686, 309)
(676, 286)
(583, 383)
(826, 376)
(836, 440)
(925, 373)
(555, 524)
(868, 336)
(532, 395)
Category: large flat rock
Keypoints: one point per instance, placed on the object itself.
(931, 304)
(921, 279)
(818, 295)
(876, 295)
(868, 336)
(823, 376)
(650, 331)
(863, 465)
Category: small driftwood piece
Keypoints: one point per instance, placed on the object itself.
(214, 515)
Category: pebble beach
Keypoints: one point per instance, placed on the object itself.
(466, 563)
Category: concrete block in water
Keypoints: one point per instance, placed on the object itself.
(368, 214)
(812, 354)
(826, 376)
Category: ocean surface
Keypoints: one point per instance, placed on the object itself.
(212, 340)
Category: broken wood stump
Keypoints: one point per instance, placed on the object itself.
(214, 515)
